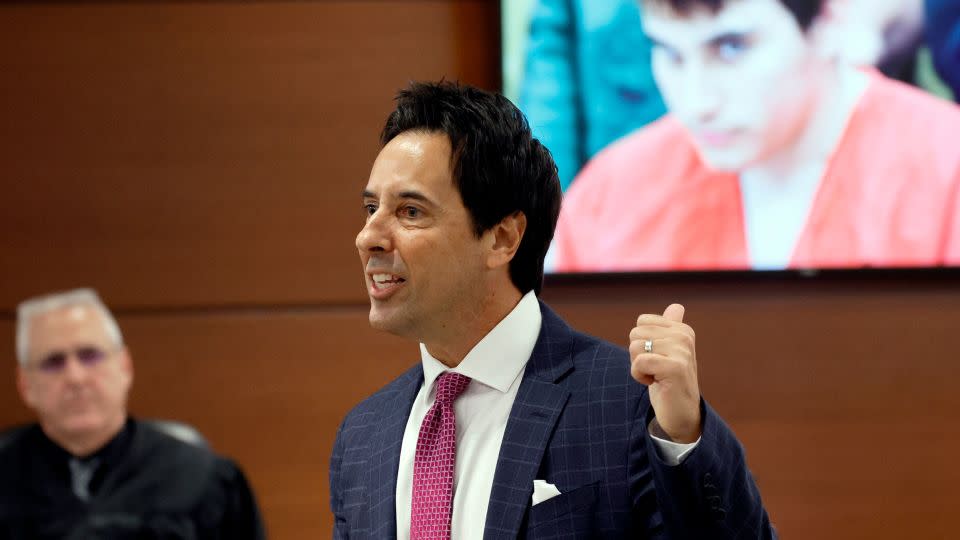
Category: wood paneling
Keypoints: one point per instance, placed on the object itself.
(196, 153)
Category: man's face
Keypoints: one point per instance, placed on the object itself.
(423, 264)
(76, 378)
(743, 80)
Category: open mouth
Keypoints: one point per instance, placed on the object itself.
(385, 282)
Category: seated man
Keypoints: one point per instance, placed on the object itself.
(774, 154)
(87, 470)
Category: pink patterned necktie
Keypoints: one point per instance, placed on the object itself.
(432, 501)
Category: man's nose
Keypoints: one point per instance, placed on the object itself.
(73, 370)
(375, 234)
(701, 94)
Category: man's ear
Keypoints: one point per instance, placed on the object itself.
(24, 387)
(506, 237)
(126, 365)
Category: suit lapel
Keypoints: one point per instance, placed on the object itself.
(384, 461)
(540, 399)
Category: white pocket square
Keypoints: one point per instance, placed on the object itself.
(543, 491)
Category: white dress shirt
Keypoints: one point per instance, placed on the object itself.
(495, 366)
(774, 214)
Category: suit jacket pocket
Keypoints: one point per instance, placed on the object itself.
(568, 512)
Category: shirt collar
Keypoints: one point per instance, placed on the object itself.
(499, 358)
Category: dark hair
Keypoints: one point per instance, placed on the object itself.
(499, 168)
(804, 11)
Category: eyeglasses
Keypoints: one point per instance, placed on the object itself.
(57, 360)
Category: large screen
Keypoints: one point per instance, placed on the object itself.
(744, 134)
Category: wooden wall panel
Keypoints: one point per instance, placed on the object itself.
(195, 153)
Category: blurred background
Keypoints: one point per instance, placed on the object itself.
(200, 163)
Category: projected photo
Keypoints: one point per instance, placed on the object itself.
(744, 134)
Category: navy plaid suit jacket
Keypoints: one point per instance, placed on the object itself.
(579, 422)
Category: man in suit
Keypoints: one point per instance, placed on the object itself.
(514, 424)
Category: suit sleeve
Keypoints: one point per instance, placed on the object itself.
(336, 493)
(712, 494)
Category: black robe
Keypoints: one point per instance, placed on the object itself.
(148, 486)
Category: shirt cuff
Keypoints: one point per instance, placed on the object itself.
(670, 452)
(673, 453)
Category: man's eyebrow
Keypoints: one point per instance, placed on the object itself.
(710, 41)
(407, 194)
(415, 195)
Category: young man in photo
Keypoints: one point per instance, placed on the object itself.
(776, 153)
